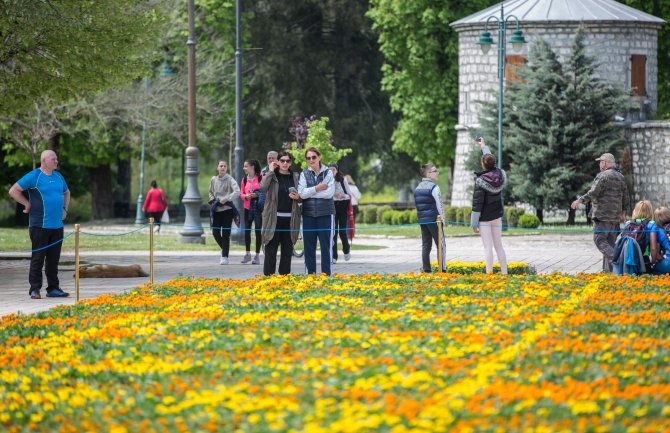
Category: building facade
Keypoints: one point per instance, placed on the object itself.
(622, 39)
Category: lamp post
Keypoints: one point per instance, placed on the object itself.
(239, 144)
(139, 215)
(485, 43)
(192, 231)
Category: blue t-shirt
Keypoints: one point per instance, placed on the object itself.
(46, 198)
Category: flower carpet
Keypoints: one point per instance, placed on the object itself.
(352, 353)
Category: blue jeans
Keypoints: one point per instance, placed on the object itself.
(320, 228)
(662, 267)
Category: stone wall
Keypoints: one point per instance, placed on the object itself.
(612, 43)
(650, 153)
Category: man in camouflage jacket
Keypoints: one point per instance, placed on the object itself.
(609, 197)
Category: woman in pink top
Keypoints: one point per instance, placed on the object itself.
(252, 214)
(155, 204)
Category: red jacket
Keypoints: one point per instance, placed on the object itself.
(155, 201)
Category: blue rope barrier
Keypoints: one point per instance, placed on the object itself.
(114, 234)
(52, 244)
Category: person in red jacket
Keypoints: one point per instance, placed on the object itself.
(155, 204)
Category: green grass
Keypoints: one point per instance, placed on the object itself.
(17, 240)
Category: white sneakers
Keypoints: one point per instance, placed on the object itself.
(347, 257)
(246, 258)
(224, 261)
(256, 260)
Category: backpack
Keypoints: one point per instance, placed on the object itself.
(637, 229)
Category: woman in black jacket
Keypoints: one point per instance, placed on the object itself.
(487, 208)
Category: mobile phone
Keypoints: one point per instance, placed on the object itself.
(479, 137)
(291, 189)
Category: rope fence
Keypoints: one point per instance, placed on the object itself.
(151, 225)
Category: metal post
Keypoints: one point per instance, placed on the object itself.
(192, 231)
(76, 263)
(501, 79)
(239, 145)
(139, 215)
(151, 250)
(440, 243)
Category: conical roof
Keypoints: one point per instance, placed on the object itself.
(562, 11)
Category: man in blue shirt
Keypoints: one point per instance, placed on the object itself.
(47, 203)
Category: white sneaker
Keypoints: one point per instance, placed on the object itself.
(246, 258)
(256, 260)
(334, 261)
(224, 261)
(347, 257)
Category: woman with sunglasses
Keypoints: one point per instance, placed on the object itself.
(281, 214)
(316, 188)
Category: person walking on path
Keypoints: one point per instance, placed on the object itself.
(316, 188)
(281, 214)
(222, 192)
(487, 208)
(428, 200)
(250, 184)
(155, 204)
(609, 198)
(342, 200)
(47, 204)
(354, 192)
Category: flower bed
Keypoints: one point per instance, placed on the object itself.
(360, 353)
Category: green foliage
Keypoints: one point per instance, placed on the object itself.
(386, 216)
(413, 217)
(451, 214)
(370, 214)
(68, 48)
(529, 221)
(421, 72)
(512, 215)
(320, 137)
(559, 118)
(463, 214)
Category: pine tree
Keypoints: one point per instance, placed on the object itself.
(589, 130)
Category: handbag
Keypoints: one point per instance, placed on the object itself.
(166, 216)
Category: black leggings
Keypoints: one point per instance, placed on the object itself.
(221, 224)
(257, 229)
(341, 226)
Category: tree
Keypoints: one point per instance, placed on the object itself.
(68, 48)
(421, 72)
(322, 58)
(313, 132)
(558, 118)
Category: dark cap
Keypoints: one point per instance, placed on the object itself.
(332, 164)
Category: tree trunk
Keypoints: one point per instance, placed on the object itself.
(122, 189)
(571, 216)
(101, 192)
(539, 213)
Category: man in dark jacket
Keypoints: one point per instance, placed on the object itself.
(609, 197)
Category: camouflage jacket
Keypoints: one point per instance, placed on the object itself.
(608, 194)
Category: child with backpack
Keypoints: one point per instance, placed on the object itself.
(642, 229)
(662, 218)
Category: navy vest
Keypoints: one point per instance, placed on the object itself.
(426, 208)
(316, 207)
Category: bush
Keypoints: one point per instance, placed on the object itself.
(528, 221)
(413, 217)
(370, 214)
(450, 214)
(512, 215)
(396, 217)
(387, 217)
(463, 214)
(380, 214)
(406, 217)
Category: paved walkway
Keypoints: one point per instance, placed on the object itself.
(567, 253)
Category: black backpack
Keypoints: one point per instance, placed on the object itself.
(637, 229)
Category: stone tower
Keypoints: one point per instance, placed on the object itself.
(623, 39)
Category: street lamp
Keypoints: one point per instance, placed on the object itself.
(192, 231)
(139, 215)
(239, 144)
(485, 42)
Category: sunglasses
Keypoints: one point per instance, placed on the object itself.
(311, 158)
(285, 161)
